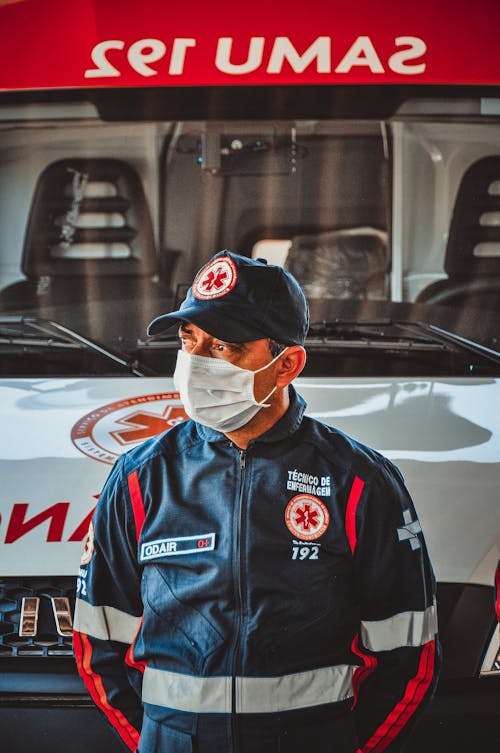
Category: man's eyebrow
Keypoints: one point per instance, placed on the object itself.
(236, 346)
(184, 329)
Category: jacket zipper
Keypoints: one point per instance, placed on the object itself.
(239, 604)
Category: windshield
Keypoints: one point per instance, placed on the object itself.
(104, 224)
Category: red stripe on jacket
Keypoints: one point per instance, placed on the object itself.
(129, 657)
(95, 686)
(137, 503)
(415, 691)
(139, 517)
(361, 673)
(350, 513)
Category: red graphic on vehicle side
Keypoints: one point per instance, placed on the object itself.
(104, 433)
(143, 424)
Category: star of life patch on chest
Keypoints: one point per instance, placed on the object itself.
(306, 517)
(171, 547)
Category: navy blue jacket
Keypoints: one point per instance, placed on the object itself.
(259, 601)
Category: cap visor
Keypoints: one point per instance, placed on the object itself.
(214, 323)
(163, 323)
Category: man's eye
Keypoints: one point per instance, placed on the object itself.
(225, 349)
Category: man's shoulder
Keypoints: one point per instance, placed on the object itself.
(344, 449)
(169, 443)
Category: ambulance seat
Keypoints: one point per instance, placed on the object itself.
(89, 236)
(472, 259)
(349, 263)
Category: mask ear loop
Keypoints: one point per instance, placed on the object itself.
(263, 403)
(262, 368)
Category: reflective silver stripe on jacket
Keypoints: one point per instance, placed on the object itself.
(403, 629)
(105, 623)
(258, 695)
(212, 695)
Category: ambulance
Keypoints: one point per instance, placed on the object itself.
(357, 145)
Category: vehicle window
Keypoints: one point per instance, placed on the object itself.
(275, 251)
(104, 224)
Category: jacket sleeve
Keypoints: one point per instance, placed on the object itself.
(397, 641)
(108, 609)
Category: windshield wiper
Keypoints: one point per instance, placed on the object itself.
(32, 331)
(394, 335)
(383, 334)
(462, 342)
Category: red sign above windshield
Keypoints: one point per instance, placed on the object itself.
(106, 43)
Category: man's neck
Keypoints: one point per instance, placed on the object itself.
(264, 420)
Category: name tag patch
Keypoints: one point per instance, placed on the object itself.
(204, 542)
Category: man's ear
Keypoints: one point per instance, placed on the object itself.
(290, 365)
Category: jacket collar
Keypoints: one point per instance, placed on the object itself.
(287, 424)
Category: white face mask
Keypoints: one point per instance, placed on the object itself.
(217, 393)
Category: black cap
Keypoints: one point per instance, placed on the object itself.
(238, 299)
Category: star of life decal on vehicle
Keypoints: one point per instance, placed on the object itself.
(107, 431)
(216, 279)
(306, 517)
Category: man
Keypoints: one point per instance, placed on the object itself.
(255, 581)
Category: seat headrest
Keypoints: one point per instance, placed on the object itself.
(89, 217)
(345, 263)
(473, 247)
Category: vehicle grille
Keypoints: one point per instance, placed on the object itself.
(36, 616)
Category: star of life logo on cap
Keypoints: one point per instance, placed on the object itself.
(306, 517)
(216, 279)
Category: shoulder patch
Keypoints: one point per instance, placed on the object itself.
(410, 530)
(88, 549)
